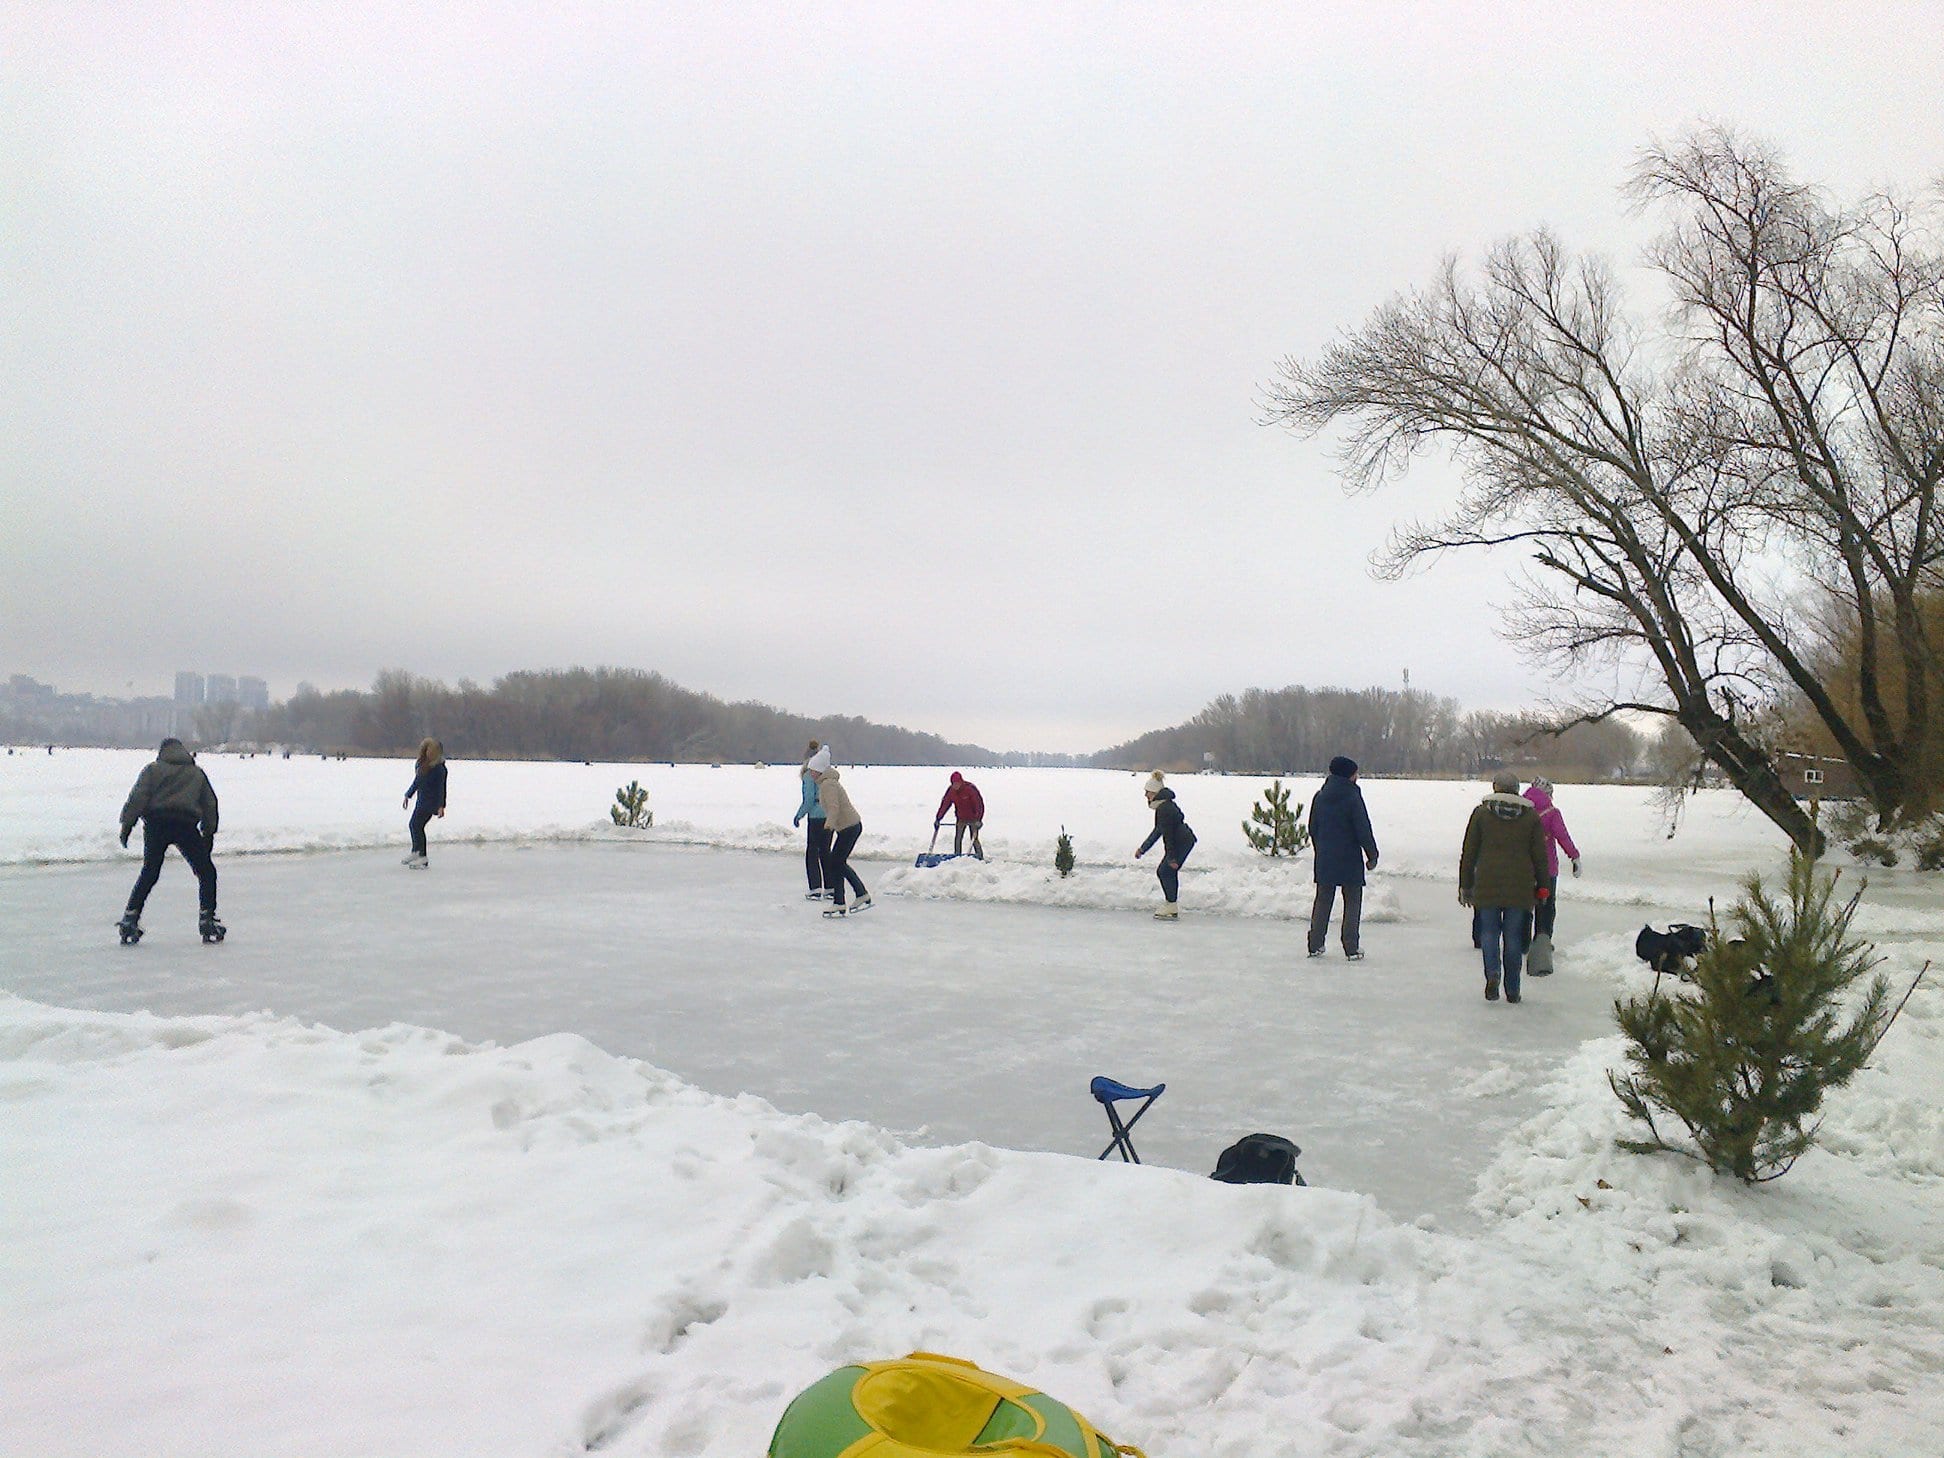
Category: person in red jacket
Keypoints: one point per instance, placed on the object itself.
(962, 797)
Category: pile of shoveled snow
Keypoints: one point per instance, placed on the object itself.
(252, 1235)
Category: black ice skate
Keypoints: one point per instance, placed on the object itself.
(130, 927)
(212, 930)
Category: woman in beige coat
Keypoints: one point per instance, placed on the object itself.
(845, 825)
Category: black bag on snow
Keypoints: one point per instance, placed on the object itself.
(1258, 1159)
(1670, 951)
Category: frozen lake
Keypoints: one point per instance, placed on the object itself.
(958, 1020)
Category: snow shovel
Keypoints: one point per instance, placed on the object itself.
(931, 856)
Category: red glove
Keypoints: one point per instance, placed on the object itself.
(1540, 893)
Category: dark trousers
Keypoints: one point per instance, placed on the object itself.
(157, 836)
(836, 868)
(815, 847)
(1170, 878)
(1547, 912)
(421, 816)
(1320, 909)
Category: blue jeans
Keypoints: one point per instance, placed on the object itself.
(1502, 938)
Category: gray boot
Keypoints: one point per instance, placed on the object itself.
(1539, 955)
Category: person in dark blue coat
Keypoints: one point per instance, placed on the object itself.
(429, 785)
(1344, 849)
(1177, 840)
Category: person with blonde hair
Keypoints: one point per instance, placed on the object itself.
(429, 785)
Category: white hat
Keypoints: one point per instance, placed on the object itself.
(1153, 783)
(820, 761)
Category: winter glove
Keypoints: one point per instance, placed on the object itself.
(1464, 897)
(1370, 863)
(796, 819)
(124, 838)
(404, 802)
(1540, 893)
(1575, 870)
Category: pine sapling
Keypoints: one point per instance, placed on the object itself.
(1743, 1059)
(1063, 853)
(1272, 827)
(630, 808)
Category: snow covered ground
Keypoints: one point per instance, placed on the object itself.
(327, 1228)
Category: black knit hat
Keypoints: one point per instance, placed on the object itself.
(1343, 765)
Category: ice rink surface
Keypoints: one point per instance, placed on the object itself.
(956, 1020)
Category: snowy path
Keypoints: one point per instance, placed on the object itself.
(968, 1021)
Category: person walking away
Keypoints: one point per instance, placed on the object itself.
(967, 805)
(1539, 956)
(845, 826)
(429, 784)
(1342, 849)
(816, 843)
(1501, 873)
(1177, 840)
(177, 807)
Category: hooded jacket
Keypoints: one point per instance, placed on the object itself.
(1504, 857)
(1340, 833)
(1170, 828)
(839, 814)
(1557, 836)
(173, 787)
(429, 784)
(964, 799)
(812, 807)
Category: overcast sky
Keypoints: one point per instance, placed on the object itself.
(898, 360)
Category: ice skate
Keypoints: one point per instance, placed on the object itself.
(815, 895)
(130, 927)
(862, 901)
(416, 861)
(1170, 912)
(834, 911)
(212, 930)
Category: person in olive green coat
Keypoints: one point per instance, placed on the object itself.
(1500, 872)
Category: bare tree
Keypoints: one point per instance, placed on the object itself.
(1699, 501)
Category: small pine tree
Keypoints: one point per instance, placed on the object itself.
(1272, 827)
(1743, 1061)
(1063, 853)
(630, 808)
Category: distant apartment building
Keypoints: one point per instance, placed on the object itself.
(219, 688)
(189, 690)
(253, 693)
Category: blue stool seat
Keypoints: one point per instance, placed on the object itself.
(1109, 1092)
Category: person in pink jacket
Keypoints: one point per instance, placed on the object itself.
(1539, 961)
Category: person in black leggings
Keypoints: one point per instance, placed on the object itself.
(846, 825)
(429, 784)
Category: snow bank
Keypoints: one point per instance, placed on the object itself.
(395, 1241)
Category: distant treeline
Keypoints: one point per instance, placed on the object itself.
(580, 713)
(1387, 731)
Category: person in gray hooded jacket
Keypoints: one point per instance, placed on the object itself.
(177, 807)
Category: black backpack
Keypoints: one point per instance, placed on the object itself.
(1258, 1159)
